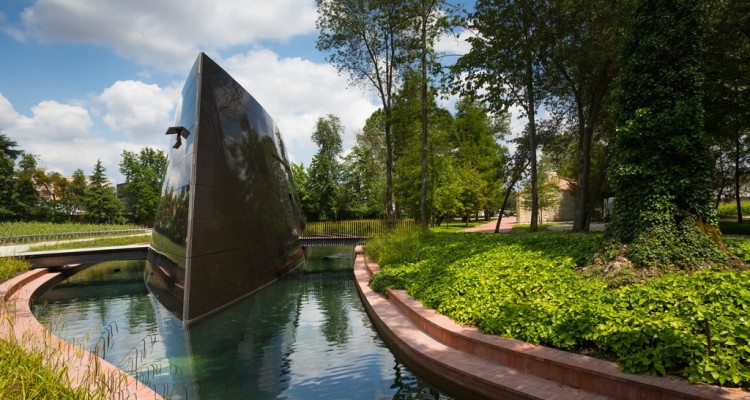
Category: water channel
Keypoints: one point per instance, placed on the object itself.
(306, 336)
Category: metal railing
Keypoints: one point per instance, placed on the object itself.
(50, 237)
(365, 229)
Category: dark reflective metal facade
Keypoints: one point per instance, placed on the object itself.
(228, 221)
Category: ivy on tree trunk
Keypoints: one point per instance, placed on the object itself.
(661, 167)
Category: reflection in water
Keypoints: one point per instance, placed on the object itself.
(304, 337)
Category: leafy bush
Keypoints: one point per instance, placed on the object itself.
(9, 267)
(729, 209)
(527, 287)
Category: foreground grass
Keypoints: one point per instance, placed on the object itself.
(101, 242)
(530, 287)
(23, 375)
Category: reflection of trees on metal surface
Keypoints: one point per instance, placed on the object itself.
(228, 215)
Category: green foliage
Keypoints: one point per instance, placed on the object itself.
(682, 245)
(739, 247)
(395, 247)
(9, 267)
(661, 166)
(363, 180)
(527, 287)
(102, 204)
(143, 173)
(24, 376)
(43, 228)
(729, 209)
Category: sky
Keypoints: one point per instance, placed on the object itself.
(83, 80)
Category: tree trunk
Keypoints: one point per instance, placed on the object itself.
(737, 177)
(502, 208)
(389, 214)
(597, 188)
(423, 191)
(584, 173)
(533, 226)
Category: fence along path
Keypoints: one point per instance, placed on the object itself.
(364, 229)
(47, 237)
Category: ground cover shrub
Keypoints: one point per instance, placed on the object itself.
(529, 287)
(729, 209)
(524, 228)
(10, 267)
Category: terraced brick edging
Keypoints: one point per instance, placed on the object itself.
(569, 370)
(18, 324)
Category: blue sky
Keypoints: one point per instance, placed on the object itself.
(83, 80)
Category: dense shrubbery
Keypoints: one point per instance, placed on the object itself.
(729, 209)
(527, 287)
(9, 267)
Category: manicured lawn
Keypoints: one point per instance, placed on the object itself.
(734, 227)
(532, 287)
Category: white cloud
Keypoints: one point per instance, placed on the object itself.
(141, 111)
(66, 138)
(454, 45)
(296, 92)
(167, 33)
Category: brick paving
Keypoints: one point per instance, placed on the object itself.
(469, 364)
(505, 226)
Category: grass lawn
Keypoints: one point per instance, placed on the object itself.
(533, 287)
(734, 228)
(101, 242)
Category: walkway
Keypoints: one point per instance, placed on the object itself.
(505, 226)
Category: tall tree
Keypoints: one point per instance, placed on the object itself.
(74, 196)
(364, 171)
(26, 198)
(364, 38)
(433, 19)
(102, 204)
(8, 155)
(504, 66)
(144, 173)
(580, 50)
(9, 147)
(661, 172)
(476, 138)
(726, 62)
(323, 174)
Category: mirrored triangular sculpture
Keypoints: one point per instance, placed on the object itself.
(228, 221)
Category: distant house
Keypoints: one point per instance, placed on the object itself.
(558, 204)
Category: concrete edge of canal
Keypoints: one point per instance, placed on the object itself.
(466, 363)
(84, 369)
